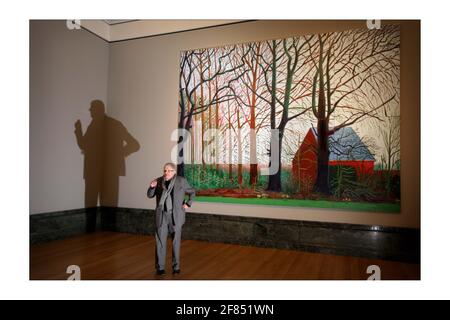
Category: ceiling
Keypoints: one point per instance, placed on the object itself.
(112, 22)
(113, 30)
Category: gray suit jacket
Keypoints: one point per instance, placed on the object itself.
(180, 188)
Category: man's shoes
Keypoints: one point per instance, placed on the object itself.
(176, 271)
(160, 272)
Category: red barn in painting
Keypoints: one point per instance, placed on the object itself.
(346, 149)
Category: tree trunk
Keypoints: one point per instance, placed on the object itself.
(180, 166)
(253, 174)
(202, 116)
(216, 126)
(323, 156)
(230, 147)
(323, 153)
(253, 160)
(275, 179)
(239, 149)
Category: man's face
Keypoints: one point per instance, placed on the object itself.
(169, 172)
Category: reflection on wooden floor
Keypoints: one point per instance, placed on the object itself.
(119, 256)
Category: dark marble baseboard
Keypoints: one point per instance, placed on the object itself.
(51, 226)
(389, 243)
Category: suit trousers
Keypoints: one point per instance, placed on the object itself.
(167, 226)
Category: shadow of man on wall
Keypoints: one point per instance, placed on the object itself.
(105, 145)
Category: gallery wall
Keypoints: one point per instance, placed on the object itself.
(143, 94)
(141, 80)
(68, 69)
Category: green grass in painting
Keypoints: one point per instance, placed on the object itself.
(352, 206)
(207, 177)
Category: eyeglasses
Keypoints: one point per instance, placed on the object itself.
(171, 170)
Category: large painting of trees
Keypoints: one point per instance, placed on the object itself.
(324, 107)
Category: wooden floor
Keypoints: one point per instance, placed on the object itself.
(118, 256)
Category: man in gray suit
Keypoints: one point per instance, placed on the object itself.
(170, 213)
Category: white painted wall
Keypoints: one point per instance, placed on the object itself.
(68, 69)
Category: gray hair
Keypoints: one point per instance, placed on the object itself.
(171, 165)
